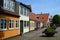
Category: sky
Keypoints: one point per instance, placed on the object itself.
(45, 6)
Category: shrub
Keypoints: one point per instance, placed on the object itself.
(51, 29)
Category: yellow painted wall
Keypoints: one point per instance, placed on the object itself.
(31, 27)
(9, 32)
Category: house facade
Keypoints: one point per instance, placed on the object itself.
(24, 12)
(33, 20)
(43, 19)
(9, 20)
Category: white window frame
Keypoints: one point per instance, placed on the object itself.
(17, 24)
(5, 4)
(3, 25)
(19, 9)
(11, 5)
(11, 24)
(22, 10)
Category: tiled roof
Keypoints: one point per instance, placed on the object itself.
(8, 12)
(43, 17)
(33, 16)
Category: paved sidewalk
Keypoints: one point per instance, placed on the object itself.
(27, 36)
(36, 35)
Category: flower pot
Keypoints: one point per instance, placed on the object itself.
(49, 34)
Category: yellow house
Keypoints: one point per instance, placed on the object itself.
(32, 21)
(9, 26)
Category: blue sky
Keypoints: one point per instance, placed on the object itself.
(45, 6)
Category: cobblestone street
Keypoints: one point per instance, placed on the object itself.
(37, 35)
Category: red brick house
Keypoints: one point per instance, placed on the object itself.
(43, 19)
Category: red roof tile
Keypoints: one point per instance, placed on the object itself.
(43, 17)
(33, 16)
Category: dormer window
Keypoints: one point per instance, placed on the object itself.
(9, 5)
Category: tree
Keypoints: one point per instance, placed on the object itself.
(56, 19)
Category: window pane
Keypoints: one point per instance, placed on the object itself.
(25, 11)
(11, 23)
(3, 23)
(28, 12)
(12, 5)
(4, 26)
(21, 9)
(17, 23)
(5, 3)
(27, 23)
(24, 23)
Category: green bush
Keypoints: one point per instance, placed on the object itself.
(51, 29)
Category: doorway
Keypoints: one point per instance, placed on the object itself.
(21, 27)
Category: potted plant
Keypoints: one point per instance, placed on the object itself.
(50, 31)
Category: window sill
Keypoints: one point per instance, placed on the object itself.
(17, 28)
(3, 29)
(11, 28)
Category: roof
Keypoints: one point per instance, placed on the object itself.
(8, 12)
(32, 16)
(27, 6)
(43, 17)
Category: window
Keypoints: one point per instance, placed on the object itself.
(17, 24)
(31, 24)
(19, 9)
(3, 23)
(25, 11)
(24, 23)
(5, 4)
(8, 2)
(27, 23)
(11, 23)
(28, 12)
(22, 10)
(12, 5)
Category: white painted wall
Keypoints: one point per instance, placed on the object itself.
(25, 18)
(26, 29)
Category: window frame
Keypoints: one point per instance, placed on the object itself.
(5, 4)
(17, 24)
(11, 24)
(12, 5)
(24, 11)
(24, 24)
(27, 23)
(3, 24)
(21, 10)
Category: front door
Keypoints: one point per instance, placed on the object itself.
(21, 27)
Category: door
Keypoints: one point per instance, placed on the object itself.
(21, 27)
